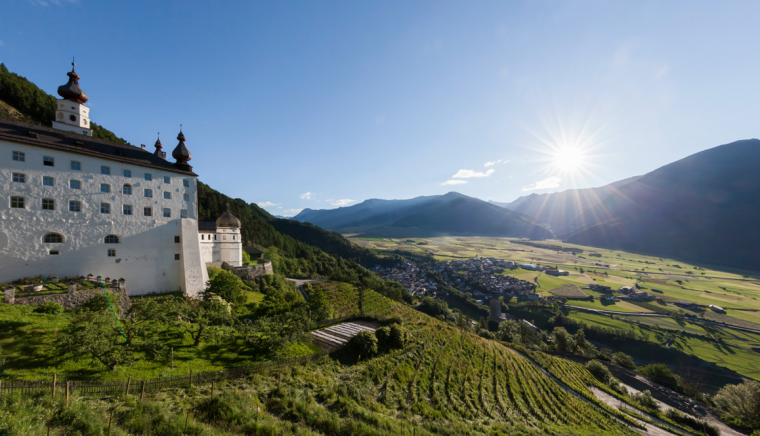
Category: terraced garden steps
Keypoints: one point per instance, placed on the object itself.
(337, 336)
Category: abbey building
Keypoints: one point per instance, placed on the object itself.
(73, 205)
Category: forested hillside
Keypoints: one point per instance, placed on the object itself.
(27, 102)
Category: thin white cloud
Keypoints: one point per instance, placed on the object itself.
(342, 202)
(551, 182)
(454, 182)
(490, 164)
(468, 174)
(267, 204)
(306, 196)
(291, 212)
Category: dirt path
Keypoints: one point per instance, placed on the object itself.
(299, 284)
(613, 402)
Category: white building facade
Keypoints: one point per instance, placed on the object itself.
(73, 205)
(221, 241)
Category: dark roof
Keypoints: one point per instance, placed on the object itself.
(252, 250)
(228, 220)
(207, 225)
(71, 90)
(35, 134)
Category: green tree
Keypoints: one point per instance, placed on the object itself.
(598, 370)
(93, 333)
(364, 343)
(623, 360)
(563, 341)
(741, 401)
(661, 374)
(399, 336)
(198, 318)
(228, 286)
(318, 306)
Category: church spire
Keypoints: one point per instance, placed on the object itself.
(181, 153)
(71, 90)
(158, 146)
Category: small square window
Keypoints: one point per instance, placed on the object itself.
(19, 178)
(167, 179)
(167, 195)
(104, 187)
(148, 176)
(48, 181)
(111, 252)
(105, 170)
(148, 211)
(186, 197)
(54, 252)
(176, 257)
(48, 204)
(126, 190)
(149, 193)
(75, 206)
(127, 209)
(183, 213)
(19, 156)
(127, 173)
(75, 184)
(167, 213)
(186, 183)
(105, 208)
(48, 161)
(17, 202)
(76, 166)
(176, 239)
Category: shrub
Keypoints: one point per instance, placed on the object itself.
(700, 425)
(598, 370)
(433, 307)
(395, 319)
(228, 286)
(742, 402)
(364, 343)
(646, 400)
(50, 308)
(399, 336)
(660, 374)
(624, 360)
(383, 335)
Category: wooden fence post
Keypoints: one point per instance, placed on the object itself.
(126, 391)
(191, 378)
(212, 389)
(109, 424)
(1, 389)
(172, 358)
(68, 384)
(142, 389)
(54, 377)
(186, 418)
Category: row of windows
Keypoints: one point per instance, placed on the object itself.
(57, 238)
(111, 253)
(203, 237)
(48, 161)
(105, 208)
(104, 187)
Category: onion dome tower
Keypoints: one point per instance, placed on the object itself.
(182, 154)
(159, 146)
(228, 220)
(230, 242)
(71, 114)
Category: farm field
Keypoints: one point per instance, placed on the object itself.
(738, 359)
(736, 291)
(618, 306)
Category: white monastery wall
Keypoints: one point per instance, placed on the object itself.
(145, 256)
(194, 272)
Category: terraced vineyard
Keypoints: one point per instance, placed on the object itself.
(345, 300)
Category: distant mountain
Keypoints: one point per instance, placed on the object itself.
(450, 214)
(558, 209)
(703, 208)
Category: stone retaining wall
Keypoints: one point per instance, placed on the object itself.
(250, 272)
(71, 300)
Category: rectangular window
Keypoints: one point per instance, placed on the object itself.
(186, 197)
(168, 195)
(148, 211)
(76, 166)
(111, 252)
(19, 178)
(149, 193)
(167, 213)
(183, 214)
(48, 161)
(54, 252)
(167, 179)
(127, 173)
(176, 257)
(148, 176)
(176, 239)
(105, 170)
(17, 202)
(105, 187)
(75, 184)
(105, 208)
(19, 156)
(48, 204)
(186, 183)
(75, 206)
(127, 209)
(48, 181)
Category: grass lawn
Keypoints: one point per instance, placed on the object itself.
(745, 362)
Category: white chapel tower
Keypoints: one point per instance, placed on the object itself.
(71, 114)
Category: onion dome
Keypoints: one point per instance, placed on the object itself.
(228, 220)
(71, 90)
(158, 146)
(181, 153)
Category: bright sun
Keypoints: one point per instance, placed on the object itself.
(568, 158)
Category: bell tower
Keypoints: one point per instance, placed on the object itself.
(70, 113)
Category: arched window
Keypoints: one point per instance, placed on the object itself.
(112, 239)
(126, 189)
(53, 238)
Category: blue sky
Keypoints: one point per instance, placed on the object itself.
(320, 104)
